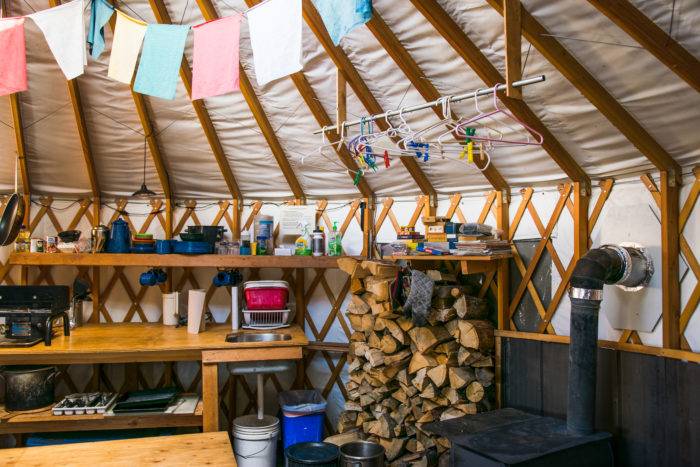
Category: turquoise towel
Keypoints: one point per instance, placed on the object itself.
(161, 57)
(100, 13)
(342, 16)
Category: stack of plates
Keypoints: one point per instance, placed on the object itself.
(143, 243)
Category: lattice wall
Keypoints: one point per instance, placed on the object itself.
(533, 213)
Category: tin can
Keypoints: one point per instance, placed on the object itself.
(36, 245)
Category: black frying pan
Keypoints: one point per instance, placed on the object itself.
(11, 220)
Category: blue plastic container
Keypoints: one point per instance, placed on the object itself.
(302, 428)
(302, 416)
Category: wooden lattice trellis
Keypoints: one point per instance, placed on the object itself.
(237, 395)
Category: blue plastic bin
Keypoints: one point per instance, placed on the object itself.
(303, 412)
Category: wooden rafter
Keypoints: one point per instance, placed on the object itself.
(323, 119)
(512, 26)
(209, 13)
(15, 108)
(163, 17)
(593, 90)
(453, 34)
(410, 68)
(362, 91)
(653, 38)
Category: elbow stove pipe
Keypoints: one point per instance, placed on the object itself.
(630, 268)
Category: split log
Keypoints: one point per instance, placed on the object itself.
(438, 375)
(378, 287)
(471, 307)
(475, 391)
(420, 360)
(356, 286)
(445, 314)
(405, 323)
(375, 357)
(352, 267)
(476, 334)
(397, 358)
(358, 305)
(389, 344)
(391, 327)
(346, 421)
(380, 270)
(485, 376)
(426, 338)
(393, 447)
(461, 377)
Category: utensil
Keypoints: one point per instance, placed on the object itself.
(12, 216)
(100, 234)
(28, 387)
(120, 237)
(192, 237)
(361, 454)
(69, 236)
(164, 247)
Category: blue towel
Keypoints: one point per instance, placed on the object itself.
(100, 13)
(342, 16)
(161, 57)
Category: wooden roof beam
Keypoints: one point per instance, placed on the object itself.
(86, 147)
(593, 90)
(410, 68)
(21, 142)
(512, 25)
(209, 13)
(653, 38)
(352, 76)
(162, 16)
(313, 102)
(481, 65)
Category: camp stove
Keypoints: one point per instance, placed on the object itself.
(30, 312)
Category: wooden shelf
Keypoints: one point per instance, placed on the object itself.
(45, 421)
(468, 264)
(172, 260)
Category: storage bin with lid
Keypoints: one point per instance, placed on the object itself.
(266, 295)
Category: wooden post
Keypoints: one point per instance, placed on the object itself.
(210, 396)
(581, 199)
(236, 215)
(342, 93)
(670, 250)
(300, 299)
(503, 273)
(511, 25)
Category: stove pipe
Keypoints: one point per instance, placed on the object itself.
(629, 268)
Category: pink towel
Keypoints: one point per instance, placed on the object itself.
(215, 68)
(13, 61)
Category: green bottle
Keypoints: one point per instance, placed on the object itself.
(335, 244)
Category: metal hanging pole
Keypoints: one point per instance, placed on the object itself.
(427, 105)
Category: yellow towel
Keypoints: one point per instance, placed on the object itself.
(128, 37)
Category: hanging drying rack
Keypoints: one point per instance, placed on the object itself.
(427, 105)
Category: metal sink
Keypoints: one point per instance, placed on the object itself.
(258, 337)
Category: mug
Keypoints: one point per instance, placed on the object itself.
(161, 276)
(148, 278)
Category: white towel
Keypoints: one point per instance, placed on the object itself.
(126, 45)
(275, 36)
(64, 30)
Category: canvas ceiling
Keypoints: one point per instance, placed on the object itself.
(664, 104)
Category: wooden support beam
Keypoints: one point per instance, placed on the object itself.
(582, 197)
(670, 253)
(653, 38)
(163, 17)
(593, 90)
(209, 12)
(314, 103)
(453, 34)
(383, 33)
(513, 33)
(362, 91)
(15, 109)
(502, 274)
(341, 93)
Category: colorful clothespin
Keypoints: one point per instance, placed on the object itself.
(426, 153)
(387, 163)
(469, 132)
(470, 152)
(358, 176)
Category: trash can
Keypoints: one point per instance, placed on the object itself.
(302, 416)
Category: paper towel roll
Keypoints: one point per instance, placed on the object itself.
(235, 314)
(171, 308)
(195, 311)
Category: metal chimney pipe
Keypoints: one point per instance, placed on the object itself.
(630, 268)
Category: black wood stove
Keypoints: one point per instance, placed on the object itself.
(510, 437)
(30, 311)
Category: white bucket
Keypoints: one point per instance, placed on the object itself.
(255, 441)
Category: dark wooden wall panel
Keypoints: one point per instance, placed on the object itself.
(650, 404)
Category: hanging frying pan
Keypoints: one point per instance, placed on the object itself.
(12, 216)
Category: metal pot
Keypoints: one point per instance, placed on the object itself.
(361, 454)
(28, 387)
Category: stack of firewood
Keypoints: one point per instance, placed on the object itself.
(403, 376)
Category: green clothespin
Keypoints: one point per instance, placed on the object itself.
(469, 132)
(358, 176)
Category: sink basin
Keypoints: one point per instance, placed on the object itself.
(258, 337)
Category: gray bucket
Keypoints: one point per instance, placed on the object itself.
(361, 454)
(255, 441)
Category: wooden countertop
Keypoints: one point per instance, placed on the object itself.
(139, 342)
(211, 449)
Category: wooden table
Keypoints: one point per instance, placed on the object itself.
(148, 342)
(211, 449)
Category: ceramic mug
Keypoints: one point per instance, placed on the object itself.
(164, 247)
(148, 278)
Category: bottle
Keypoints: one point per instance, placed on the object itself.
(318, 243)
(23, 239)
(302, 244)
(335, 245)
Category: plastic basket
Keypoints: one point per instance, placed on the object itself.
(266, 295)
(265, 319)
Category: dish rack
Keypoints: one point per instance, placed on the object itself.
(265, 319)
